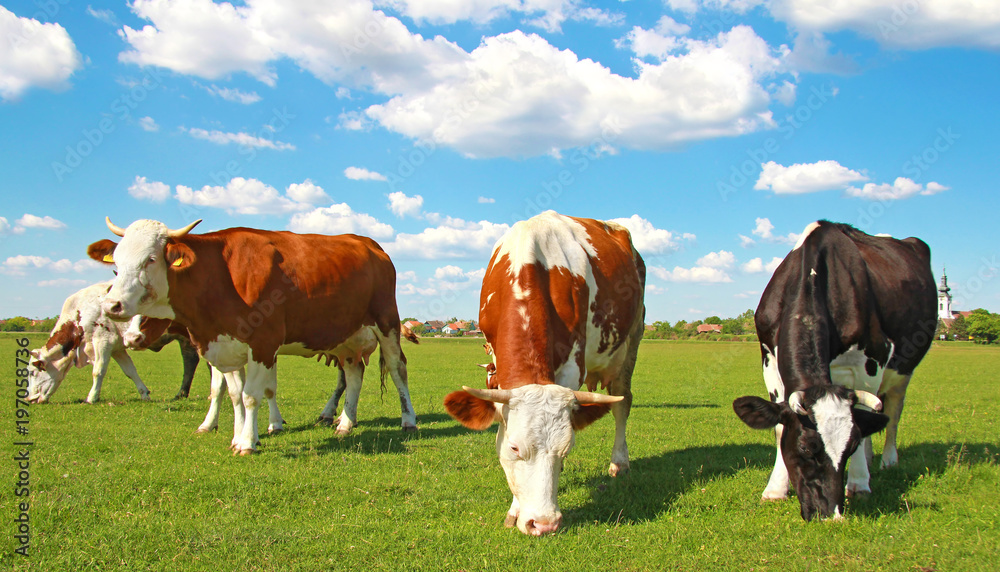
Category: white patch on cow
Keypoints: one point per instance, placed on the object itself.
(141, 284)
(569, 374)
(772, 377)
(848, 370)
(554, 240)
(805, 234)
(812, 272)
(227, 354)
(883, 235)
(519, 292)
(835, 423)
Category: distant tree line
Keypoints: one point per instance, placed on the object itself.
(22, 324)
(741, 327)
(981, 326)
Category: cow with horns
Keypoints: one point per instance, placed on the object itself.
(247, 295)
(842, 324)
(561, 306)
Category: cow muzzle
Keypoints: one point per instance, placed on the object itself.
(537, 527)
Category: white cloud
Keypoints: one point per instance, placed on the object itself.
(406, 276)
(764, 230)
(720, 259)
(746, 241)
(32, 221)
(486, 201)
(61, 282)
(34, 54)
(242, 139)
(20, 265)
(4, 225)
(361, 174)
(648, 239)
(901, 188)
(307, 192)
(234, 95)
(455, 238)
(803, 178)
(546, 14)
(251, 197)
(149, 190)
(658, 43)
(747, 294)
(339, 219)
(148, 124)
(697, 274)
(655, 290)
(106, 16)
(402, 205)
(903, 25)
(757, 265)
(515, 95)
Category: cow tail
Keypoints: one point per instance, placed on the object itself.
(408, 334)
(383, 372)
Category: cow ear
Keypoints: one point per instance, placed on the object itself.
(102, 250)
(471, 411)
(179, 256)
(586, 414)
(757, 412)
(868, 422)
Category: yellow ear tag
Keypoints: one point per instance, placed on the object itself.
(107, 258)
(178, 262)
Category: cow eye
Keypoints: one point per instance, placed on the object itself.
(514, 449)
(150, 260)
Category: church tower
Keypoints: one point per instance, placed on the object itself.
(944, 298)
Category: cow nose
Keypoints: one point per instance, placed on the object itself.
(114, 309)
(536, 528)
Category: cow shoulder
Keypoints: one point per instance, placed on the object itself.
(252, 261)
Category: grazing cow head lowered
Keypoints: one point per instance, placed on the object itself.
(146, 253)
(822, 429)
(537, 424)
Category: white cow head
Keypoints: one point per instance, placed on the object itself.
(48, 368)
(133, 336)
(142, 259)
(537, 424)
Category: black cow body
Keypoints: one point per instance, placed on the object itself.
(845, 316)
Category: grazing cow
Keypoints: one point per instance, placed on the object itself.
(846, 317)
(246, 295)
(561, 305)
(82, 335)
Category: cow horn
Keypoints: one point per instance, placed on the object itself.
(113, 227)
(868, 400)
(795, 402)
(494, 395)
(181, 232)
(589, 398)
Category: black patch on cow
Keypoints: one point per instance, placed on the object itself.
(871, 367)
(773, 395)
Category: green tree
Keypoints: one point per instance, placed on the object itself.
(959, 329)
(713, 320)
(17, 324)
(984, 326)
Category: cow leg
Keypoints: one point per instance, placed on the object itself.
(894, 393)
(125, 362)
(619, 454)
(275, 423)
(215, 401)
(857, 473)
(261, 382)
(190, 357)
(100, 368)
(236, 380)
(354, 373)
(330, 411)
(777, 485)
(392, 359)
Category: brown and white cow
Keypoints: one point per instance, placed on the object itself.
(82, 335)
(246, 295)
(561, 306)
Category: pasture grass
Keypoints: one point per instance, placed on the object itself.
(128, 485)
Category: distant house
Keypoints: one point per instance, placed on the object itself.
(452, 328)
(475, 332)
(412, 323)
(705, 328)
(433, 326)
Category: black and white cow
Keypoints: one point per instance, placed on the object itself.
(846, 316)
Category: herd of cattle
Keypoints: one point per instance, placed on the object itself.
(842, 324)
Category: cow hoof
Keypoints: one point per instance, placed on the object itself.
(342, 432)
(325, 421)
(245, 452)
(272, 430)
(510, 521)
(205, 430)
(144, 397)
(859, 493)
(616, 469)
(769, 496)
(409, 428)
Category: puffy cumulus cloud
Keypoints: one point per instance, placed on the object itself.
(149, 190)
(546, 14)
(655, 290)
(803, 178)
(903, 25)
(307, 192)
(454, 239)
(901, 188)
(20, 265)
(451, 273)
(697, 274)
(252, 197)
(34, 54)
(148, 124)
(720, 259)
(402, 205)
(63, 282)
(4, 225)
(515, 95)
(43, 222)
(657, 43)
(648, 239)
(765, 230)
(757, 265)
(446, 280)
(242, 139)
(362, 174)
(339, 219)
(234, 95)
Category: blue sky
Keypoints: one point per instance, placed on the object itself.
(716, 130)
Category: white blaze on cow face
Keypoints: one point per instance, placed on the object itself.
(535, 436)
(141, 284)
(835, 423)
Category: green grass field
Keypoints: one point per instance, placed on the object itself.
(128, 485)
